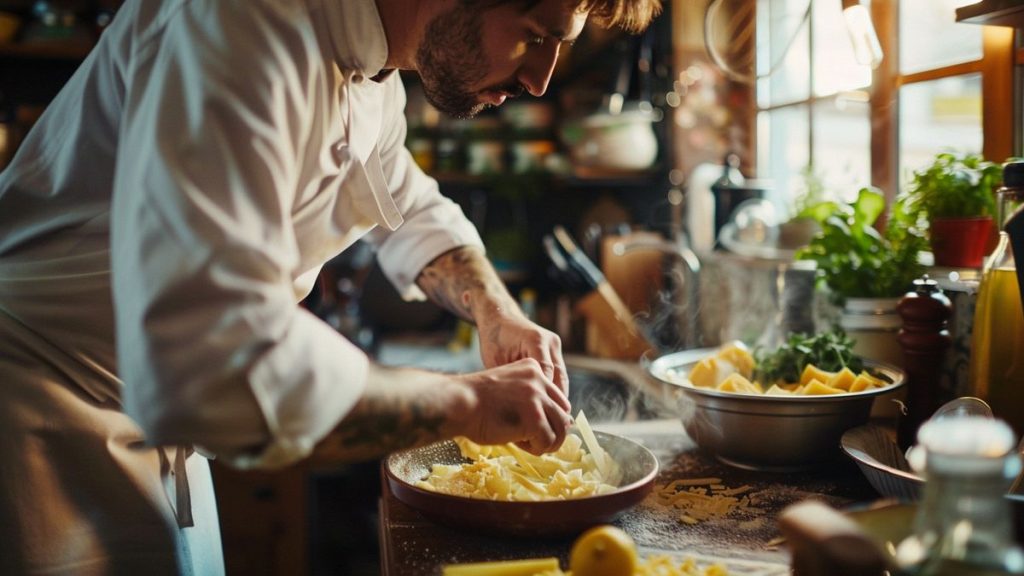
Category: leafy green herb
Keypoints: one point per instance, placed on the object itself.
(952, 186)
(853, 259)
(829, 351)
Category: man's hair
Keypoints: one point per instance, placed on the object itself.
(631, 15)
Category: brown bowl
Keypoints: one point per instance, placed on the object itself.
(546, 518)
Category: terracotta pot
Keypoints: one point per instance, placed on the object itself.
(960, 242)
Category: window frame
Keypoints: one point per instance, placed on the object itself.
(1001, 119)
(1002, 77)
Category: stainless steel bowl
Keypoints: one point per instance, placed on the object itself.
(773, 433)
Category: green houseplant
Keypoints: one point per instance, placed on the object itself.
(952, 201)
(864, 270)
(854, 260)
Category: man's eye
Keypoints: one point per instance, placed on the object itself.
(536, 41)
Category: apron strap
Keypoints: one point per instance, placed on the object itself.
(183, 510)
(181, 503)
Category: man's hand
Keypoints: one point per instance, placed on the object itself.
(464, 282)
(516, 402)
(507, 338)
(405, 407)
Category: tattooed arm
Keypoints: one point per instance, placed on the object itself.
(405, 407)
(463, 281)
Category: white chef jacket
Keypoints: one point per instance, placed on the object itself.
(157, 229)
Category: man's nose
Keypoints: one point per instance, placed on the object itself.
(535, 74)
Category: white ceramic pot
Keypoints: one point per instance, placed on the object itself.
(624, 141)
(874, 325)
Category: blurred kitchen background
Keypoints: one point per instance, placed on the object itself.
(639, 156)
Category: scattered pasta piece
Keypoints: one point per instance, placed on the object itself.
(701, 499)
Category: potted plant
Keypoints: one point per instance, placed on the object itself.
(952, 200)
(864, 270)
(797, 231)
(854, 260)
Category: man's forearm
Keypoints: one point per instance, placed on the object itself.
(464, 282)
(401, 408)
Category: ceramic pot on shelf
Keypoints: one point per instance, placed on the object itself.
(607, 142)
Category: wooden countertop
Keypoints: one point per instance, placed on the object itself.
(747, 540)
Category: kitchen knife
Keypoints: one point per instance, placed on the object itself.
(560, 270)
(612, 330)
(590, 272)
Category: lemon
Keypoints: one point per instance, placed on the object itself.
(603, 551)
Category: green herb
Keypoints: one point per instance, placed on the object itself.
(829, 351)
(854, 260)
(952, 186)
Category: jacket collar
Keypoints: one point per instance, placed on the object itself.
(354, 34)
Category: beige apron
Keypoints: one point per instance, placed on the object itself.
(80, 493)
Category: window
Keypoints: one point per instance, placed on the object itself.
(812, 101)
(939, 85)
(942, 85)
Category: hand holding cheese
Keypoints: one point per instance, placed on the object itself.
(515, 402)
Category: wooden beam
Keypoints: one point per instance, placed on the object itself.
(885, 101)
(999, 115)
(944, 72)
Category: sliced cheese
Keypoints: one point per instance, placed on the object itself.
(600, 457)
(528, 567)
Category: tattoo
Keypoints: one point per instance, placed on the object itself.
(378, 426)
(451, 277)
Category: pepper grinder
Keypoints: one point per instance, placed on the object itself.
(924, 338)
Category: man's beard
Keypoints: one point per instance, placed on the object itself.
(451, 60)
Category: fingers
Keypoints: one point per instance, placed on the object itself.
(553, 366)
(561, 377)
(559, 421)
(519, 403)
(551, 430)
(556, 394)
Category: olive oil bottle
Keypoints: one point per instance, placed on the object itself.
(997, 341)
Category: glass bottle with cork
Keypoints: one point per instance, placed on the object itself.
(997, 341)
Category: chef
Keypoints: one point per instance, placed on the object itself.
(177, 199)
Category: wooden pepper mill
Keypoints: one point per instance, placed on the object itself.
(924, 338)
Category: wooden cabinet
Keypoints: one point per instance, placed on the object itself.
(262, 521)
(300, 521)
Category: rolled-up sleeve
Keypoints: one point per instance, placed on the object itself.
(433, 223)
(212, 347)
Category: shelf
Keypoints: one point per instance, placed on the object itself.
(624, 180)
(56, 50)
(993, 13)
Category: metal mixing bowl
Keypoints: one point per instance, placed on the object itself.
(773, 433)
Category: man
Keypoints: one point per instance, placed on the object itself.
(173, 204)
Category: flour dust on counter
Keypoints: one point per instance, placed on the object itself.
(701, 507)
